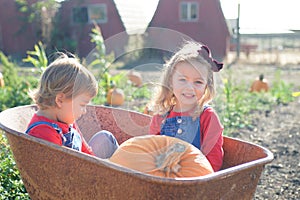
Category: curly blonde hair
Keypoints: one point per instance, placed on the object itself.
(64, 75)
(164, 100)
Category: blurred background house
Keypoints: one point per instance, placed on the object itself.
(143, 28)
(200, 20)
(17, 35)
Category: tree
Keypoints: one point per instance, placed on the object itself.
(39, 13)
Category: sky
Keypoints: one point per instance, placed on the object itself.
(264, 15)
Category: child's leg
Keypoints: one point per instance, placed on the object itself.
(103, 144)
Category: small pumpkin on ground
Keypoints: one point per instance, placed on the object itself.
(162, 156)
(260, 85)
(115, 97)
(147, 110)
(135, 78)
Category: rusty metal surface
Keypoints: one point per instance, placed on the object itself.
(53, 172)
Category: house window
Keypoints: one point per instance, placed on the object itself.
(89, 14)
(80, 15)
(188, 11)
(98, 13)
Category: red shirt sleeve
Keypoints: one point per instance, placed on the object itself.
(155, 125)
(212, 138)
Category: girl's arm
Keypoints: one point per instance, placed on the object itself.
(212, 138)
(155, 125)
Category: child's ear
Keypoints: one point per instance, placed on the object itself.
(59, 99)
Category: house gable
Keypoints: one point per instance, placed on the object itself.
(79, 16)
(201, 20)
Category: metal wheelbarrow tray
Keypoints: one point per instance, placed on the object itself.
(50, 171)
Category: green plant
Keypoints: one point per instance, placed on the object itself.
(235, 104)
(11, 184)
(100, 61)
(15, 96)
(282, 91)
(141, 92)
(232, 106)
(10, 74)
(16, 88)
(61, 38)
(40, 14)
(38, 57)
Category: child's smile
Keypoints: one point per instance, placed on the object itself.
(189, 95)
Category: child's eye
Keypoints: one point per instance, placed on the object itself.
(182, 79)
(199, 82)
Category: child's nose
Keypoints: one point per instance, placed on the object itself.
(190, 85)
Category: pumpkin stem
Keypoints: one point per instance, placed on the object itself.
(168, 161)
(261, 77)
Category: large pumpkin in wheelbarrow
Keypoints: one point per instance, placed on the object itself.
(163, 156)
(50, 171)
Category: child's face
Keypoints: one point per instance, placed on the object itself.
(188, 84)
(73, 109)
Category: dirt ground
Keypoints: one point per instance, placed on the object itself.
(278, 130)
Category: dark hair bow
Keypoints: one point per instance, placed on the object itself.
(205, 53)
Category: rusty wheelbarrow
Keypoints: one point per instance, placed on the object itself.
(50, 171)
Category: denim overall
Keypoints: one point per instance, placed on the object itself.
(182, 127)
(72, 139)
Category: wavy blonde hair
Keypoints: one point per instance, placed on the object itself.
(64, 75)
(164, 100)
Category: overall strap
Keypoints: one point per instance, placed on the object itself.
(53, 125)
(206, 106)
(165, 115)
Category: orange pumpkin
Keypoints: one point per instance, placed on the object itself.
(115, 97)
(135, 78)
(162, 156)
(147, 111)
(260, 85)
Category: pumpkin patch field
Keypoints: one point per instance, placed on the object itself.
(267, 115)
(276, 127)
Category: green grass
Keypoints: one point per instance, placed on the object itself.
(11, 185)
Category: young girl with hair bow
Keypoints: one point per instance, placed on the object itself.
(181, 106)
